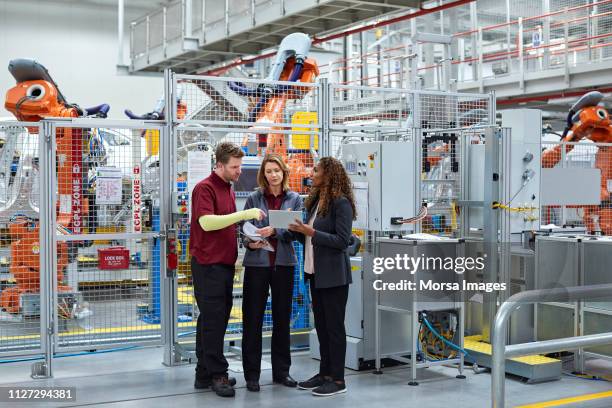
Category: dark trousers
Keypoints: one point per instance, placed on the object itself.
(258, 281)
(329, 307)
(212, 288)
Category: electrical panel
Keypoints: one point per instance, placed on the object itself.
(525, 165)
(384, 176)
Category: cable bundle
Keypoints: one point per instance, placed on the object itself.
(420, 216)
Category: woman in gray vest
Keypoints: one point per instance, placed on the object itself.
(269, 270)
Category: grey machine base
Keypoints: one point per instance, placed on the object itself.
(354, 359)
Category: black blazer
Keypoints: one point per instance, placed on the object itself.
(332, 266)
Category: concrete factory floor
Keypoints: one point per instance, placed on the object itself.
(136, 378)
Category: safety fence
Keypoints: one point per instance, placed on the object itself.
(88, 204)
(302, 123)
(20, 260)
(81, 237)
(262, 117)
(586, 168)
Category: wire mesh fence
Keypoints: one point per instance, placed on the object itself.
(107, 192)
(444, 122)
(441, 181)
(107, 187)
(582, 155)
(104, 179)
(246, 103)
(360, 107)
(444, 110)
(111, 294)
(261, 117)
(20, 269)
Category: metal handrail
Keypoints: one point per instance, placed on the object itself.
(500, 328)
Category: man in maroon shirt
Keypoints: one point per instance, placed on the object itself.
(214, 248)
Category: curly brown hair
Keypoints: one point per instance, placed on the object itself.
(336, 184)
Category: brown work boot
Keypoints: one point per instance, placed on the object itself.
(222, 387)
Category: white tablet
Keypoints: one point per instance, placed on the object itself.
(282, 218)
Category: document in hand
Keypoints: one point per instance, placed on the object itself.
(250, 231)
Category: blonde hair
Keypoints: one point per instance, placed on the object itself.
(261, 174)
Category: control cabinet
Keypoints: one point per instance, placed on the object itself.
(384, 176)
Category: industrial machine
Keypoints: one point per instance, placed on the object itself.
(291, 65)
(588, 120)
(384, 192)
(35, 97)
(567, 256)
(385, 184)
(159, 112)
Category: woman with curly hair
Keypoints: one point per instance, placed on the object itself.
(330, 213)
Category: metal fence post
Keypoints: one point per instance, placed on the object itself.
(490, 237)
(480, 61)
(565, 52)
(325, 104)
(168, 281)
(521, 56)
(45, 229)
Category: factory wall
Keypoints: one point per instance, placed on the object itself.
(77, 42)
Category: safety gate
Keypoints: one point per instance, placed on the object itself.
(105, 212)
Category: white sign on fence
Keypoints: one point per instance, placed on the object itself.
(108, 185)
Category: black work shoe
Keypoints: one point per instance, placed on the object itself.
(311, 383)
(221, 386)
(253, 386)
(203, 383)
(329, 388)
(287, 381)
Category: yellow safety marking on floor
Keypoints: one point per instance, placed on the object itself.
(570, 400)
(235, 317)
(99, 330)
(264, 335)
(185, 295)
(474, 343)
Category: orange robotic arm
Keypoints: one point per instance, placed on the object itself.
(585, 119)
(33, 101)
(35, 97)
(593, 122)
(292, 66)
(275, 107)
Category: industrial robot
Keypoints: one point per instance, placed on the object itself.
(588, 119)
(159, 112)
(36, 97)
(291, 65)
